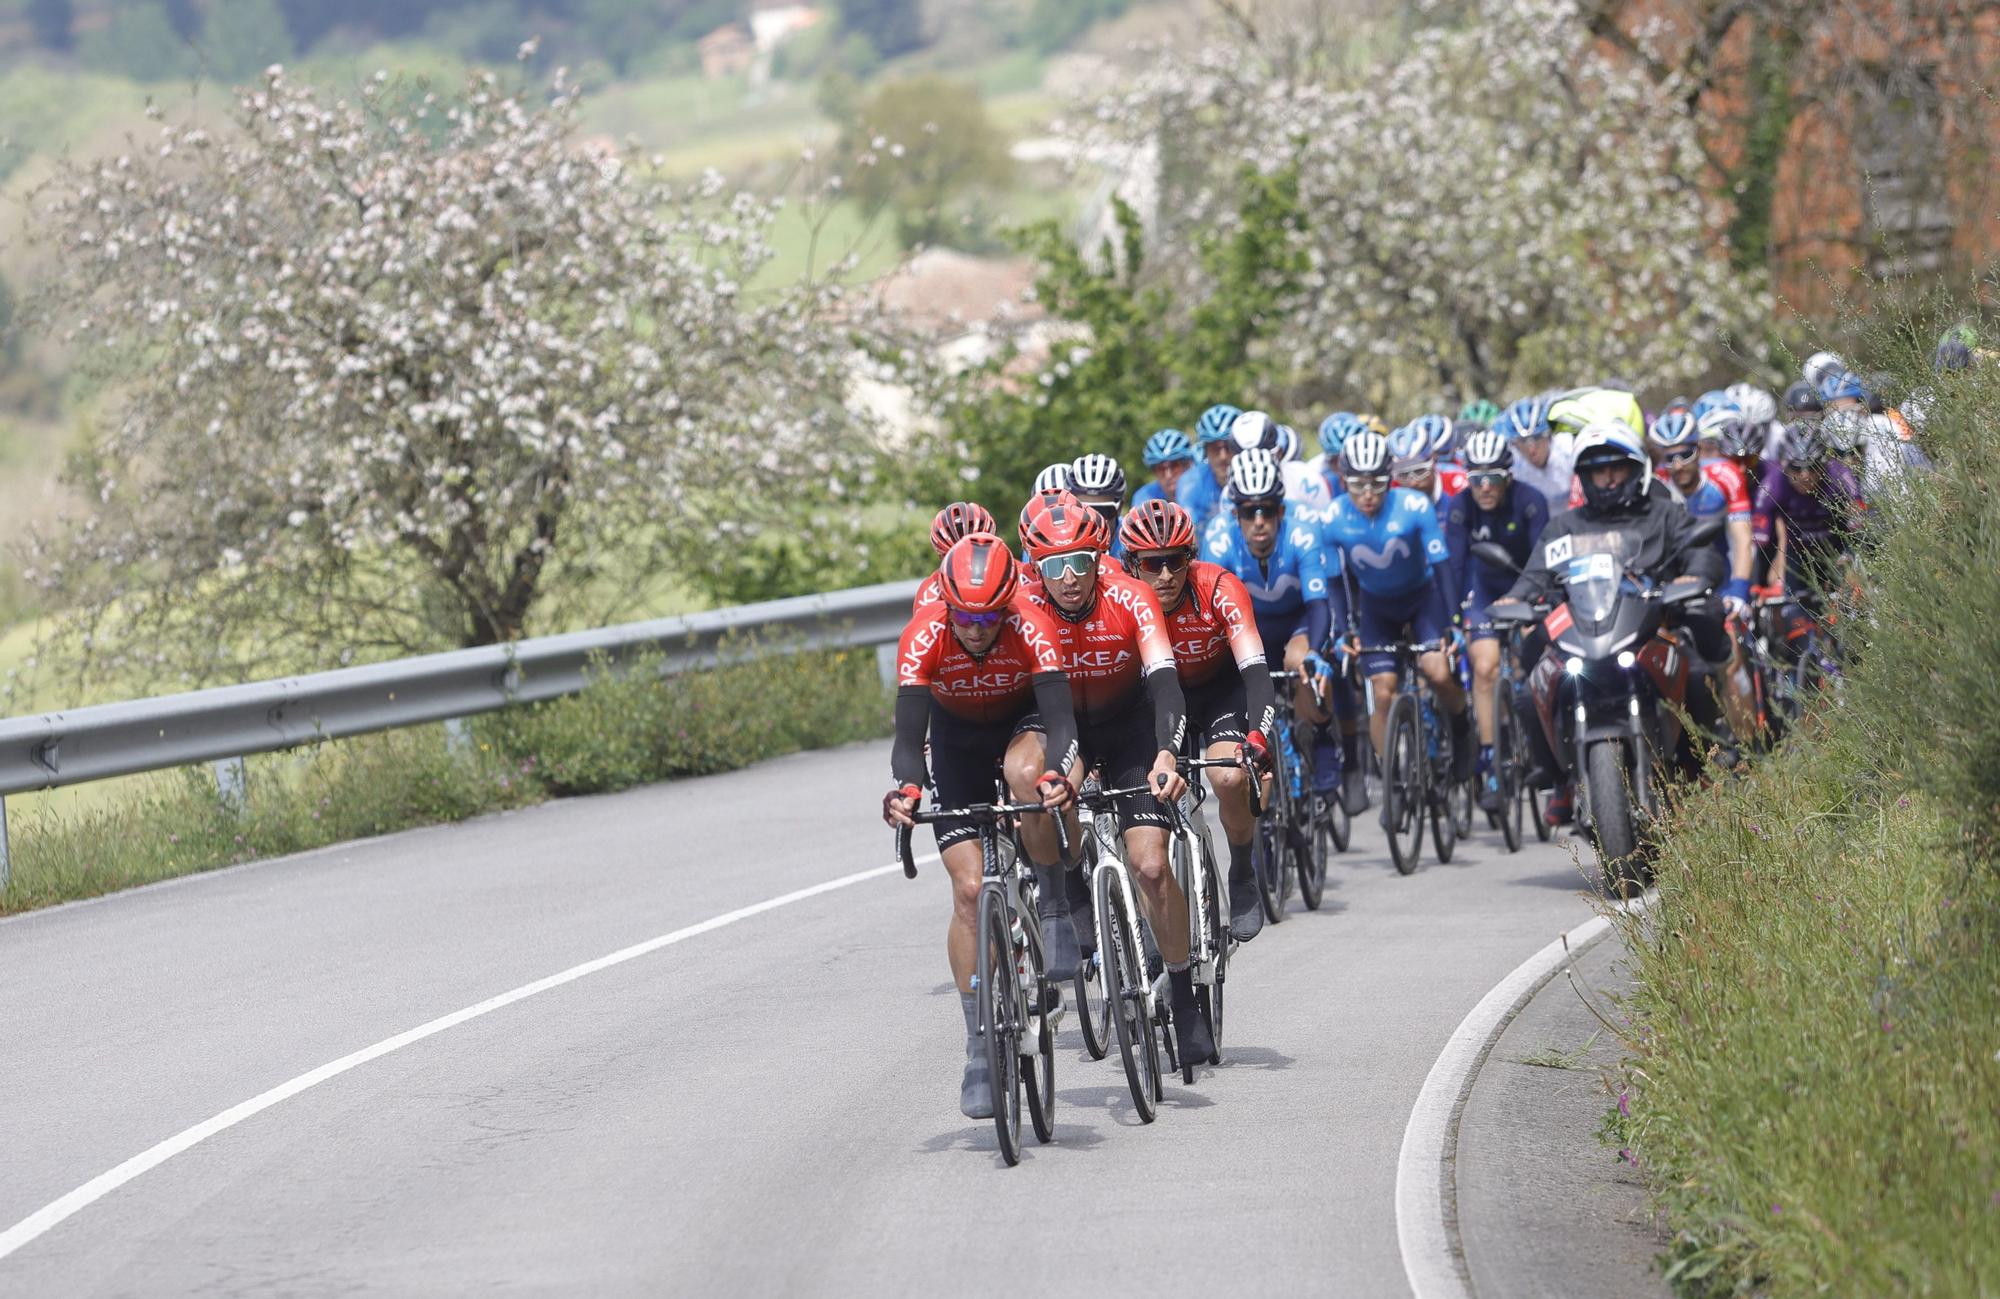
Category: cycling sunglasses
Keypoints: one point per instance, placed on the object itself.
(1171, 562)
(1260, 510)
(1077, 563)
(1679, 455)
(964, 619)
(1372, 485)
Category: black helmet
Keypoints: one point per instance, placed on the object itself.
(1803, 397)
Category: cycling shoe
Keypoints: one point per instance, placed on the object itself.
(1060, 956)
(1190, 1030)
(975, 1090)
(1354, 791)
(1246, 907)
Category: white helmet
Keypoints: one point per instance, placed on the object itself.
(1821, 364)
(1053, 479)
(1487, 450)
(1366, 452)
(1254, 429)
(1758, 406)
(1097, 475)
(1254, 475)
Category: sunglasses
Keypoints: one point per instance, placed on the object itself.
(1077, 563)
(1680, 455)
(1260, 510)
(1366, 486)
(1171, 562)
(976, 619)
(1532, 437)
(1488, 477)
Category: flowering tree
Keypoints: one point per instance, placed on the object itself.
(391, 375)
(1501, 208)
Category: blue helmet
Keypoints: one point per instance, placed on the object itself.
(1839, 384)
(1526, 418)
(1708, 401)
(1334, 431)
(1167, 446)
(1440, 436)
(1676, 428)
(1215, 423)
(1409, 448)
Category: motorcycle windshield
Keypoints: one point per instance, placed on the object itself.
(1592, 585)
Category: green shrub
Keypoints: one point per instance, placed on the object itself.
(1816, 1077)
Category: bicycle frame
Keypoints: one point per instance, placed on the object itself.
(1111, 857)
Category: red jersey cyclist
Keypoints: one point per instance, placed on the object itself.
(959, 519)
(1130, 722)
(981, 672)
(1219, 654)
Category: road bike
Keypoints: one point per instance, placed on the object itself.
(1207, 892)
(1417, 768)
(1018, 1008)
(1513, 760)
(1299, 829)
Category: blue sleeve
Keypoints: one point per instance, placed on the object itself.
(1319, 617)
(1435, 551)
(1457, 539)
(1534, 512)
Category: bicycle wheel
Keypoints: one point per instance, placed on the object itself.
(1093, 1008)
(1038, 1058)
(1320, 849)
(998, 1006)
(1507, 765)
(1340, 825)
(1125, 988)
(1268, 852)
(1403, 784)
(1209, 996)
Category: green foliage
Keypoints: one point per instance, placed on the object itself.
(1146, 362)
(1052, 24)
(1817, 1099)
(243, 37)
(139, 42)
(892, 26)
(817, 556)
(622, 730)
(936, 145)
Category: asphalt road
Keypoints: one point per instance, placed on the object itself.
(767, 1107)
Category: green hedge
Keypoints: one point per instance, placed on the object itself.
(1815, 1084)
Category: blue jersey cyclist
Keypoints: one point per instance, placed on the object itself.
(1169, 454)
(1387, 543)
(1099, 483)
(1200, 491)
(1279, 561)
(1493, 508)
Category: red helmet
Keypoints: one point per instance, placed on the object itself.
(1036, 502)
(978, 574)
(959, 519)
(1100, 531)
(1158, 525)
(1058, 526)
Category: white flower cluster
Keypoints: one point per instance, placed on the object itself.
(1502, 208)
(399, 371)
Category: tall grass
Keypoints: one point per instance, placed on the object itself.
(1817, 1068)
(624, 729)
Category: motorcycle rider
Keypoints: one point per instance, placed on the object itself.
(1650, 532)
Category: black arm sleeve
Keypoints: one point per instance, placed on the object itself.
(1169, 707)
(1258, 698)
(1058, 720)
(913, 721)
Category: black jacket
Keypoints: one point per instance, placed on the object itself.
(1650, 537)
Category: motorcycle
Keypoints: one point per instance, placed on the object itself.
(1599, 694)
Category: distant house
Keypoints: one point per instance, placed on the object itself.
(728, 51)
(772, 21)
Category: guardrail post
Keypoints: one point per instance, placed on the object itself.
(231, 783)
(5, 864)
(457, 737)
(885, 664)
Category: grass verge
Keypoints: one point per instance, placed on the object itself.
(625, 729)
(1816, 1072)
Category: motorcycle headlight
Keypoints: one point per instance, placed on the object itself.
(1626, 658)
(1575, 666)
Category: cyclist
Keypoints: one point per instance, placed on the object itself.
(1857, 428)
(1223, 674)
(1543, 458)
(1119, 660)
(1387, 542)
(1099, 482)
(1333, 431)
(1414, 460)
(1511, 515)
(954, 521)
(1479, 411)
(1169, 454)
(1053, 478)
(1691, 459)
(1648, 530)
(1304, 489)
(1201, 494)
(980, 673)
(1809, 506)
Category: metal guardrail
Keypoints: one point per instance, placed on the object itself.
(52, 750)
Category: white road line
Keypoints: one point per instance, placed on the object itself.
(47, 1217)
(1430, 1248)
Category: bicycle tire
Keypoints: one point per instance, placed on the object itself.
(1342, 824)
(1507, 765)
(998, 1004)
(1039, 1063)
(1125, 981)
(1543, 830)
(1403, 784)
(1268, 854)
(1210, 997)
(1312, 867)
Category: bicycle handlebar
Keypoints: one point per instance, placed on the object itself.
(982, 812)
(1240, 764)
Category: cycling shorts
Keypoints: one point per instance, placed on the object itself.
(965, 762)
(1122, 749)
(1484, 592)
(1384, 619)
(1217, 710)
(1277, 630)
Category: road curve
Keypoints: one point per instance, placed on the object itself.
(770, 1106)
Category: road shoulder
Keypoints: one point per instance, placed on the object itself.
(1543, 1206)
